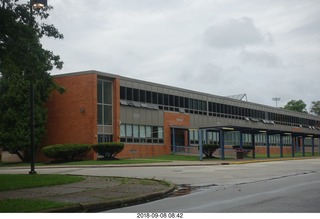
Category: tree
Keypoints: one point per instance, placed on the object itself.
(315, 108)
(296, 105)
(23, 61)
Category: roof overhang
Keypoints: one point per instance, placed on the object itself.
(247, 130)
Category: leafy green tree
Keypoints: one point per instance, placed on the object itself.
(23, 61)
(315, 107)
(296, 105)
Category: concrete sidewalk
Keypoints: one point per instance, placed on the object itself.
(103, 193)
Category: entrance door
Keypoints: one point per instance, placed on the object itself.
(178, 138)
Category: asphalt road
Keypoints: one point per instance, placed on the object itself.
(289, 193)
(275, 187)
(271, 187)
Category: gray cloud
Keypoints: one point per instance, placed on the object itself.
(309, 28)
(235, 33)
(261, 58)
(264, 49)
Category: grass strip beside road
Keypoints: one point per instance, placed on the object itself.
(159, 159)
(20, 181)
(28, 205)
(11, 182)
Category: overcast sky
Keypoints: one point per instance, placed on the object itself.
(265, 49)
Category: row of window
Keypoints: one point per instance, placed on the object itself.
(189, 105)
(141, 133)
(233, 138)
(143, 96)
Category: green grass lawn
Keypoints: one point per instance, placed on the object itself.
(10, 182)
(27, 205)
(159, 159)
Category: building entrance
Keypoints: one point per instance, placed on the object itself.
(178, 137)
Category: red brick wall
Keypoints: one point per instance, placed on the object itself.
(66, 123)
(273, 150)
(116, 110)
(142, 151)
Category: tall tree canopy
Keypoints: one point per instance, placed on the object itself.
(23, 61)
(296, 105)
(315, 107)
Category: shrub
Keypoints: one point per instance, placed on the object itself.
(108, 149)
(209, 149)
(66, 152)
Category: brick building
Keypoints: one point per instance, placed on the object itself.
(153, 119)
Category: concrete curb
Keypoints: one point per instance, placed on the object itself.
(173, 163)
(108, 205)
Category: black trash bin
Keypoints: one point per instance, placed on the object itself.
(240, 153)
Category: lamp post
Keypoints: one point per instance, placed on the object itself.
(34, 4)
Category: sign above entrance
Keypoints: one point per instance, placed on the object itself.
(179, 119)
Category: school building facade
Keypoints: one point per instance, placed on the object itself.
(153, 119)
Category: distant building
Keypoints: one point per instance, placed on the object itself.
(154, 119)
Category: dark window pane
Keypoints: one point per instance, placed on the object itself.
(155, 97)
(107, 92)
(149, 97)
(214, 107)
(107, 115)
(218, 108)
(136, 95)
(204, 105)
(176, 101)
(166, 99)
(142, 96)
(210, 107)
(122, 93)
(186, 103)
(129, 93)
(171, 100)
(99, 91)
(155, 131)
(160, 99)
(100, 114)
(181, 102)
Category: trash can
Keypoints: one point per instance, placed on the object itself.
(240, 153)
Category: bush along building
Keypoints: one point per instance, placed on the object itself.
(153, 119)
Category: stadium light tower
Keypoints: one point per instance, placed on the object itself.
(276, 99)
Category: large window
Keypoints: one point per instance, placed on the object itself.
(104, 95)
(193, 137)
(141, 133)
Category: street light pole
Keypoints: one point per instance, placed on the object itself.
(37, 4)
